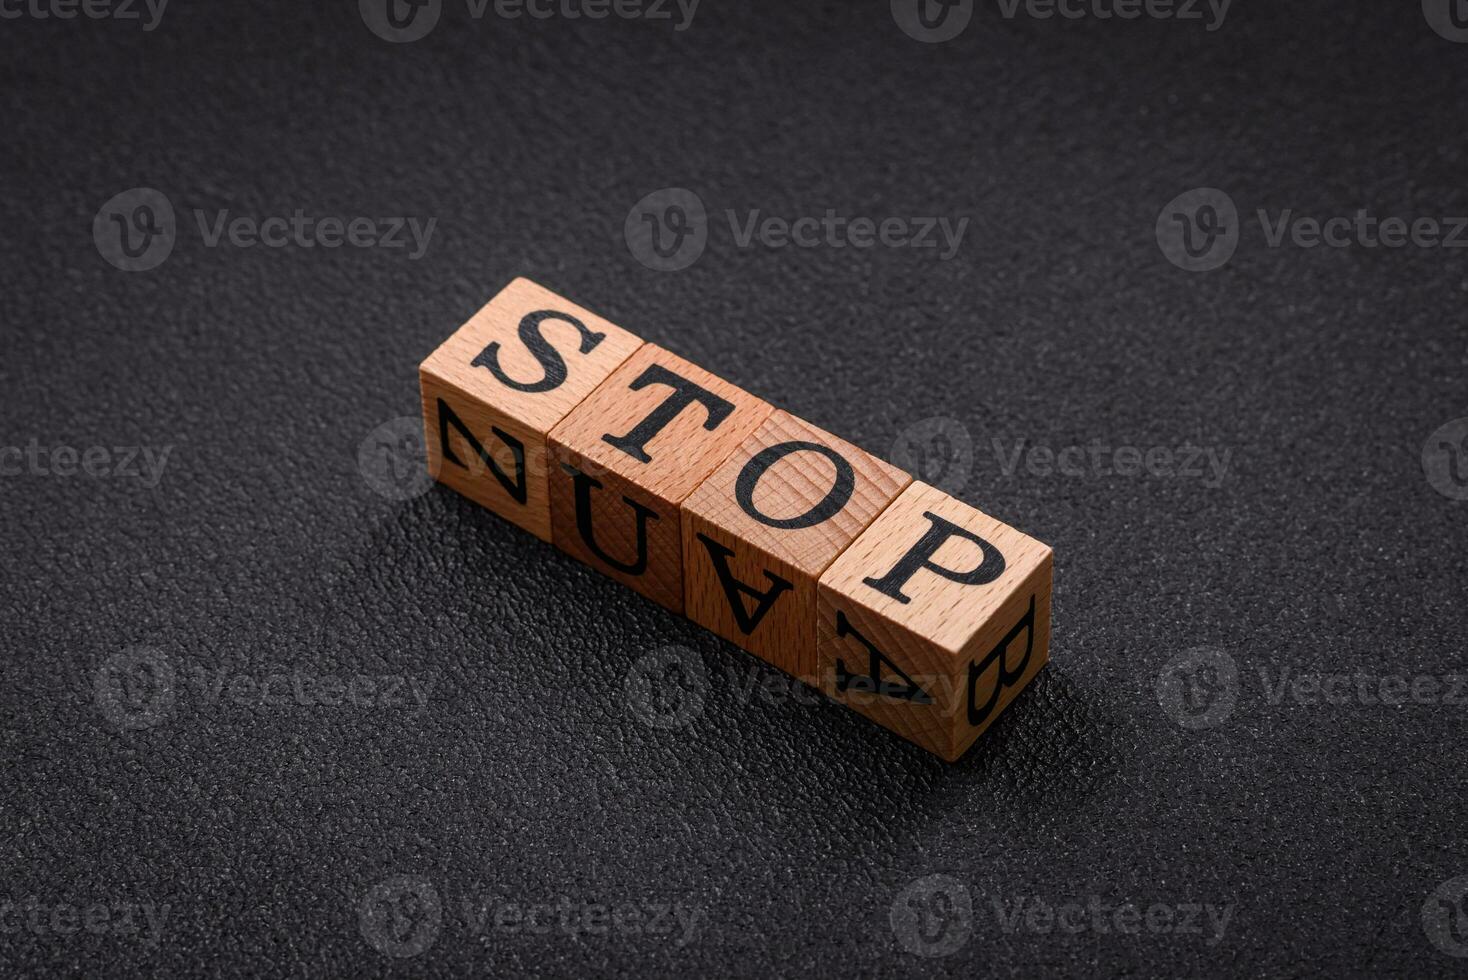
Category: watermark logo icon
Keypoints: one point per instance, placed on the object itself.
(135, 688)
(1199, 688)
(1449, 18)
(401, 916)
(932, 21)
(136, 230)
(1445, 917)
(1199, 230)
(393, 459)
(666, 688)
(400, 21)
(939, 451)
(933, 916)
(1445, 459)
(668, 229)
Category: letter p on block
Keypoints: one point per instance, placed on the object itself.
(933, 620)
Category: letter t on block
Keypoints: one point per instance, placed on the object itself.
(933, 620)
(493, 391)
(625, 459)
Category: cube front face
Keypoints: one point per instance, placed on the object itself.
(933, 620)
(758, 533)
(494, 390)
(623, 461)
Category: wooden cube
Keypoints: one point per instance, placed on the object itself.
(934, 619)
(625, 459)
(495, 389)
(759, 532)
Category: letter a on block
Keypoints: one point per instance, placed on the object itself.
(629, 455)
(494, 390)
(934, 619)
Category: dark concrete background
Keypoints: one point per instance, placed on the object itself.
(520, 768)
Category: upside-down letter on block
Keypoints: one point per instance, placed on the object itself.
(493, 391)
(759, 532)
(624, 460)
(934, 619)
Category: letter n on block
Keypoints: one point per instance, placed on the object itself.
(934, 619)
(625, 459)
(493, 391)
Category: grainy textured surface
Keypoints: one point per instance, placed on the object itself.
(528, 772)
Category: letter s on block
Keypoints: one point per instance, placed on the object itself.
(551, 361)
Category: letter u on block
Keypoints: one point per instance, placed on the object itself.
(628, 456)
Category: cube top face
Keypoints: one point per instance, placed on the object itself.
(531, 355)
(890, 569)
(660, 423)
(796, 493)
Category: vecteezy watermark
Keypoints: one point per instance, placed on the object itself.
(1445, 459)
(400, 916)
(136, 231)
(939, 451)
(1201, 688)
(666, 688)
(148, 12)
(139, 688)
(1200, 230)
(401, 21)
(935, 916)
(1445, 917)
(404, 915)
(1449, 18)
(393, 459)
(669, 229)
(935, 21)
(1181, 462)
(142, 463)
(37, 916)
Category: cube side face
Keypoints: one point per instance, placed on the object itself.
(531, 355)
(914, 633)
(616, 527)
(776, 623)
(1004, 658)
(492, 459)
(623, 460)
(493, 391)
(930, 697)
(766, 523)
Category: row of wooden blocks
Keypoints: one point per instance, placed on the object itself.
(886, 594)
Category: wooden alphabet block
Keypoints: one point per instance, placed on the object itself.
(759, 532)
(626, 458)
(495, 389)
(934, 619)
